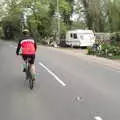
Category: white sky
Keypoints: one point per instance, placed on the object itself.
(1, 1)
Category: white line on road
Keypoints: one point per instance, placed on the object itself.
(53, 74)
(98, 118)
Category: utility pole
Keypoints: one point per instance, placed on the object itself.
(22, 21)
(58, 22)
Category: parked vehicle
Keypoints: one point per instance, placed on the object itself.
(80, 38)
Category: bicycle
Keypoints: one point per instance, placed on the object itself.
(28, 73)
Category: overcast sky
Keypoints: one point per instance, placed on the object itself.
(1, 0)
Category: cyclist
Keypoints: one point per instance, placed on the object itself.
(28, 48)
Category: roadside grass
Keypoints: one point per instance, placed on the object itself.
(115, 57)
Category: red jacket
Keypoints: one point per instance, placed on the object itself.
(27, 45)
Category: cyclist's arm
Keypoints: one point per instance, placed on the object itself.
(18, 48)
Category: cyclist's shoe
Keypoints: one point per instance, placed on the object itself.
(33, 79)
(24, 70)
(24, 67)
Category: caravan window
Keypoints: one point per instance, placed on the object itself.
(75, 36)
(71, 35)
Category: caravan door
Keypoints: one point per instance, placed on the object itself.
(86, 39)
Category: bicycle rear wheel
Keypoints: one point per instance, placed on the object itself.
(29, 76)
(31, 81)
(31, 84)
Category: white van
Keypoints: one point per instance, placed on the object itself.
(80, 38)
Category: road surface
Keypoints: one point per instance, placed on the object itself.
(67, 88)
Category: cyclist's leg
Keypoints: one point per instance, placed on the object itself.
(24, 64)
(32, 65)
(33, 70)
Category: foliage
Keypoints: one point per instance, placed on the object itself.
(115, 38)
(41, 19)
(101, 15)
(98, 15)
(107, 50)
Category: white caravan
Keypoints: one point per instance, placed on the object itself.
(80, 38)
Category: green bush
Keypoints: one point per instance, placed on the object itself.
(115, 38)
(107, 50)
(90, 52)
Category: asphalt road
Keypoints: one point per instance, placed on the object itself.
(67, 88)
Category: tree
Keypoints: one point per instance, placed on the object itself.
(113, 13)
(11, 24)
(40, 16)
(100, 15)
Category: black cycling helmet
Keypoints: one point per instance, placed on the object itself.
(25, 31)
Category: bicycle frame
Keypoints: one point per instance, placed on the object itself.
(29, 74)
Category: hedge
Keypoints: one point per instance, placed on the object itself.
(105, 50)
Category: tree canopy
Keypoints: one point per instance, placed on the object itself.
(40, 16)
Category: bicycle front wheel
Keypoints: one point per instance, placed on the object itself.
(31, 84)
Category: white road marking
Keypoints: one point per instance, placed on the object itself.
(53, 74)
(98, 118)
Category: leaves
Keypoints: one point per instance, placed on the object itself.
(98, 15)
